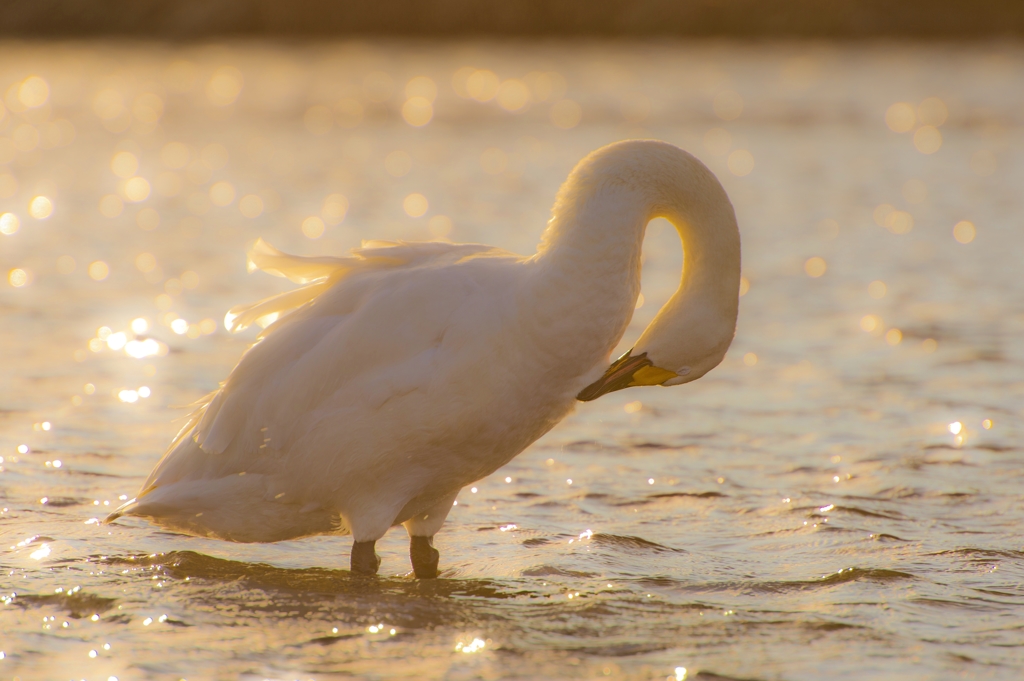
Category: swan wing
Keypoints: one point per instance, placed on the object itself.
(373, 320)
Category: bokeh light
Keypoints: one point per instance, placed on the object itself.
(98, 270)
(415, 205)
(124, 164)
(136, 189)
(313, 227)
(927, 139)
(815, 267)
(40, 207)
(482, 85)
(224, 86)
(417, 111)
(900, 117)
(513, 95)
(440, 226)
(33, 92)
(222, 193)
(334, 210)
(964, 232)
(18, 277)
(9, 223)
(251, 206)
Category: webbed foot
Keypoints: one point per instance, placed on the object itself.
(424, 557)
(365, 560)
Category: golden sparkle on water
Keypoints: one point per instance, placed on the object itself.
(222, 193)
(513, 95)
(136, 189)
(870, 323)
(896, 221)
(98, 270)
(224, 86)
(900, 117)
(964, 232)
(415, 205)
(417, 111)
(334, 210)
(313, 227)
(903, 117)
(40, 207)
(18, 277)
(251, 206)
(124, 164)
(877, 289)
(815, 267)
(440, 226)
(9, 223)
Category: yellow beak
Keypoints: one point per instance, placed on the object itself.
(626, 372)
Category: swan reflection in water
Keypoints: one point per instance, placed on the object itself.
(400, 374)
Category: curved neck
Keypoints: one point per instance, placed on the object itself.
(591, 248)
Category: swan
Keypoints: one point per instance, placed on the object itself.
(400, 374)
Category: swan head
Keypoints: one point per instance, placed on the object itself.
(661, 358)
(688, 338)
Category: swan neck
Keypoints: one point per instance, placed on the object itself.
(593, 243)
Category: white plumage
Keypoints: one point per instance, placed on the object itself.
(398, 375)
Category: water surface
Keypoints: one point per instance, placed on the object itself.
(841, 498)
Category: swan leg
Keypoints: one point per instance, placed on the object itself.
(424, 557)
(421, 529)
(365, 560)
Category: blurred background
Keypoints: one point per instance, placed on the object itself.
(203, 19)
(840, 499)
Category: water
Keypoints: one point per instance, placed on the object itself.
(831, 502)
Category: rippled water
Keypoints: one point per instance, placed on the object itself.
(831, 502)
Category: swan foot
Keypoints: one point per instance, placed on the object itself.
(424, 557)
(365, 560)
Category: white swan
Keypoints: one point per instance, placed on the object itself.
(399, 375)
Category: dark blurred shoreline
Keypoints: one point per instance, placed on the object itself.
(196, 20)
